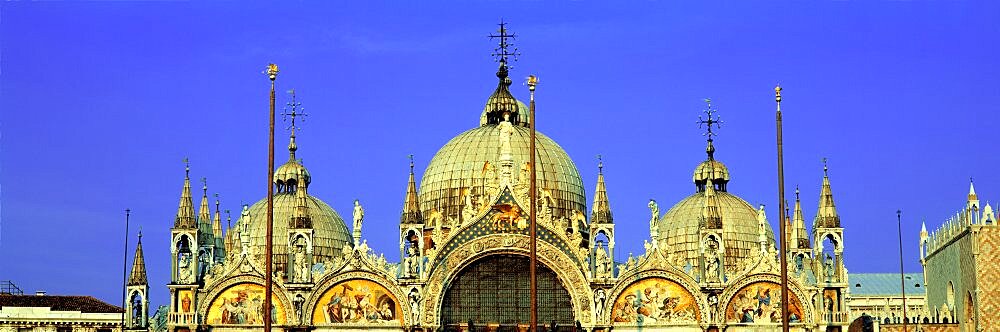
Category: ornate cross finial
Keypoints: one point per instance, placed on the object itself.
(216, 202)
(600, 164)
(710, 120)
(411, 163)
(825, 168)
(503, 50)
(187, 167)
(296, 110)
(796, 192)
(140, 233)
(229, 220)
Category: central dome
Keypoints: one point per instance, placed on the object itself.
(457, 169)
(330, 234)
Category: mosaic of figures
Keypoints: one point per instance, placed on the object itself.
(760, 302)
(243, 304)
(654, 300)
(357, 301)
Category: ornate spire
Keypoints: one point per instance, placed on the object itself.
(220, 246)
(800, 238)
(502, 101)
(826, 214)
(138, 275)
(185, 210)
(217, 219)
(296, 111)
(411, 206)
(708, 122)
(973, 198)
(602, 207)
(204, 216)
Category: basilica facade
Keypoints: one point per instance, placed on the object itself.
(710, 262)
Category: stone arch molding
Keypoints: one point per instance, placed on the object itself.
(793, 287)
(564, 267)
(331, 280)
(205, 303)
(684, 280)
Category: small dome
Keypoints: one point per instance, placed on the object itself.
(711, 169)
(329, 236)
(678, 228)
(290, 175)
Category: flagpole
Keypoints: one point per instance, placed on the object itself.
(272, 73)
(125, 268)
(533, 201)
(781, 222)
(902, 281)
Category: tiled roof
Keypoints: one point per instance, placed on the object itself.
(870, 284)
(59, 303)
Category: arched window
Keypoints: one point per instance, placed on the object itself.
(495, 289)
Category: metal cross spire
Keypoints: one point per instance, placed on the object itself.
(503, 50)
(717, 121)
(296, 110)
(187, 167)
(411, 163)
(600, 164)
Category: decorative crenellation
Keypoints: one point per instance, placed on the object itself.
(964, 220)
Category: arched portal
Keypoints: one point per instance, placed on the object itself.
(495, 290)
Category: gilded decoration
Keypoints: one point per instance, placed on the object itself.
(564, 266)
(488, 225)
(382, 293)
(655, 301)
(760, 303)
(357, 301)
(185, 299)
(243, 304)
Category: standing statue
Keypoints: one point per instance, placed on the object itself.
(184, 273)
(414, 298)
(601, 261)
(359, 215)
(300, 272)
(713, 304)
(828, 267)
(655, 210)
(245, 229)
(412, 261)
(599, 299)
(762, 229)
(506, 131)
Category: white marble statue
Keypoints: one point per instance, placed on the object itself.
(599, 300)
(359, 215)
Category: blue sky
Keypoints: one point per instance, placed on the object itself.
(101, 102)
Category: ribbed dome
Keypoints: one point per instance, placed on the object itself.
(678, 229)
(711, 169)
(458, 167)
(330, 232)
(292, 173)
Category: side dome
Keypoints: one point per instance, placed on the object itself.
(458, 168)
(679, 229)
(329, 236)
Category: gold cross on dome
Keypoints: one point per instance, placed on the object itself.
(710, 120)
(296, 111)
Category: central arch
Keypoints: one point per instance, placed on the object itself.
(495, 289)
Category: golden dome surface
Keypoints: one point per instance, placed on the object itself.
(329, 236)
(679, 229)
(292, 173)
(458, 168)
(711, 169)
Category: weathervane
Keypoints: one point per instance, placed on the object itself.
(717, 121)
(296, 110)
(502, 51)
